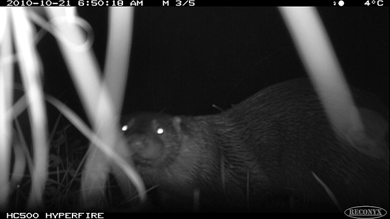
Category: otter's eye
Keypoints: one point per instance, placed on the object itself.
(125, 127)
(160, 131)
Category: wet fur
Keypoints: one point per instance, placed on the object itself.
(260, 156)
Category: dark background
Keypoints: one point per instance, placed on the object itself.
(183, 60)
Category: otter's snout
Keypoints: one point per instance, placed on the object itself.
(145, 147)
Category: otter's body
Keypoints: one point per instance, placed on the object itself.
(275, 151)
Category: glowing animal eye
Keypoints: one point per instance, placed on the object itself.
(125, 127)
(160, 131)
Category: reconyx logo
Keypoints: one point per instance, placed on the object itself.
(365, 211)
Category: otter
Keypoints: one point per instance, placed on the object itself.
(275, 151)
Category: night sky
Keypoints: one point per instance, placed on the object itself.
(183, 60)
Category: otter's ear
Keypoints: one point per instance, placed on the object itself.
(176, 122)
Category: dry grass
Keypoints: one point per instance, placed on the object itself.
(57, 176)
(55, 171)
